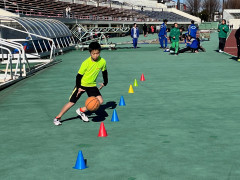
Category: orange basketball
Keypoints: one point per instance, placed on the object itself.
(92, 103)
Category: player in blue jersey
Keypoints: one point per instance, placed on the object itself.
(192, 30)
(135, 35)
(193, 45)
(163, 34)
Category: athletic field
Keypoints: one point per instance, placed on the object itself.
(182, 123)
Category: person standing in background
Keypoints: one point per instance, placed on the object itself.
(192, 30)
(145, 30)
(237, 36)
(152, 29)
(174, 35)
(68, 11)
(163, 34)
(135, 35)
(223, 31)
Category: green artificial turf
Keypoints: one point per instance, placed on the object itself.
(182, 123)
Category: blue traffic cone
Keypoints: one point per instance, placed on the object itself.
(115, 116)
(122, 102)
(80, 163)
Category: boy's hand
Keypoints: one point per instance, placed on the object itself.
(79, 91)
(101, 86)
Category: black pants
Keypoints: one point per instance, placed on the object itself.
(238, 46)
(222, 42)
(184, 50)
(187, 49)
(201, 48)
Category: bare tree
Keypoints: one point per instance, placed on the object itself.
(231, 4)
(193, 6)
(211, 6)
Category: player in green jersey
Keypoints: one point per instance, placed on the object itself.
(174, 35)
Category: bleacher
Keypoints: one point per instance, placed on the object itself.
(152, 9)
(117, 3)
(146, 3)
(51, 8)
(160, 15)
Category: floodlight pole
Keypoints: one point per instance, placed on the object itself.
(222, 8)
(178, 5)
(5, 5)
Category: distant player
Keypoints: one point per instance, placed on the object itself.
(223, 31)
(145, 30)
(86, 82)
(192, 45)
(192, 30)
(237, 36)
(152, 29)
(135, 35)
(174, 35)
(163, 34)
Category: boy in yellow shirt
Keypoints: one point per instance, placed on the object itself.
(86, 82)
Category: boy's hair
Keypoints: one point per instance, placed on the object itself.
(134, 24)
(94, 46)
(165, 20)
(192, 22)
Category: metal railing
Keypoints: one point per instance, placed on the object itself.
(87, 35)
(20, 61)
(13, 55)
(9, 63)
(52, 44)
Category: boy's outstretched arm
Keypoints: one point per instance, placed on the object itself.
(105, 79)
(78, 83)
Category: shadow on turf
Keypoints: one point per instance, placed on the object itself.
(129, 49)
(233, 58)
(98, 116)
(126, 48)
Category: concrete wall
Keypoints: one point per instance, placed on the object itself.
(6, 13)
(227, 15)
(196, 19)
(231, 19)
(235, 22)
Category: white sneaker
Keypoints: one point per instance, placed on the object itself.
(57, 122)
(83, 115)
(220, 51)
